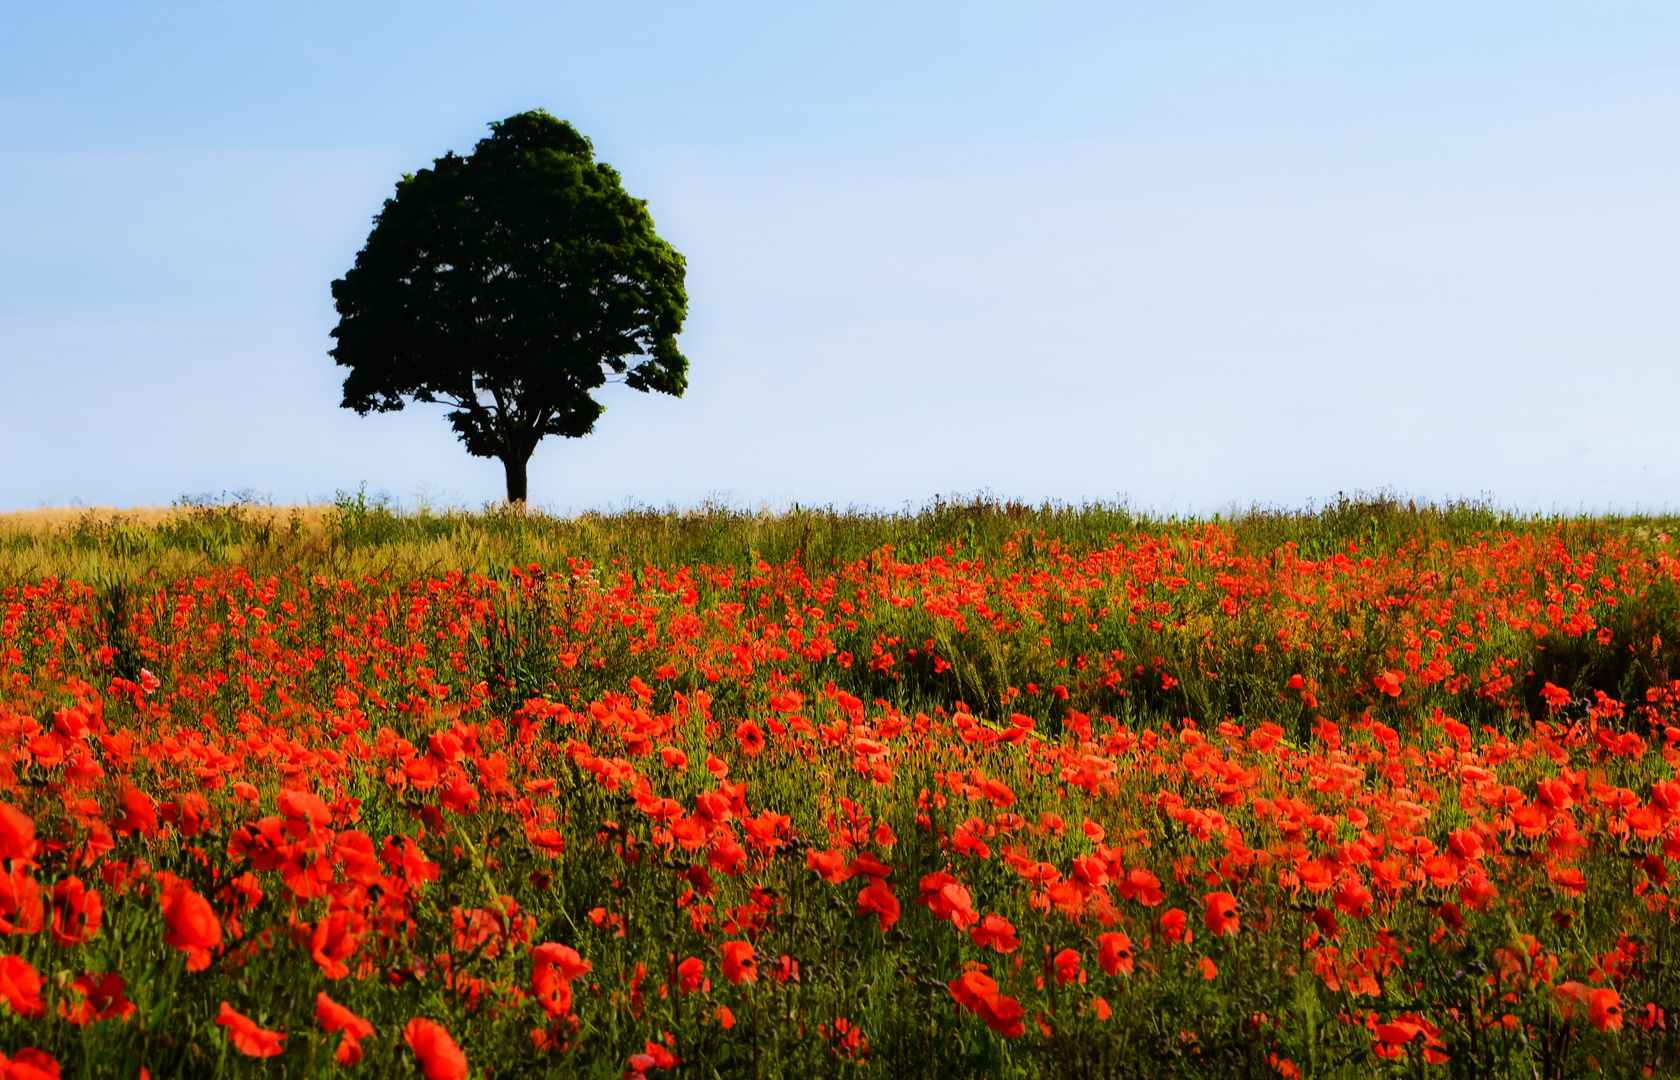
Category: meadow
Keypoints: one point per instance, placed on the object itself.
(977, 790)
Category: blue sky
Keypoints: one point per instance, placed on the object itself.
(1189, 254)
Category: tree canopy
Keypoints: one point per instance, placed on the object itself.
(509, 284)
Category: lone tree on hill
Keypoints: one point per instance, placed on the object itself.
(508, 284)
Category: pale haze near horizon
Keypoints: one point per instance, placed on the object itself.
(1188, 255)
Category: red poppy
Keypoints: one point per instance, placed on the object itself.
(978, 993)
(192, 925)
(1173, 928)
(877, 898)
(1003, 1015)
(356, 857)
(29, 1064)
(1572, 999)
(17, 833)
(1604, 1009)
(139, 813)
(440, 1058)
(1353, 898)
(653, 1056)
(832, 865)
(1141, 885)
(738, 965)
(691, 975)
(1219, 913)
(1390, 1039)
(947, 900)
(1569, 881)
(334, 1017)
(565, 960)
(971, 987)
(335, 939)
(304, 807)
(76, 912)
(102, 997)
(247, 1037)
(1114, 953)
(750, 737)
(673, 758)
(1067, 967)
(20, 900)
(997, 932)
(458, 796)
(20, 987)
(555, 966)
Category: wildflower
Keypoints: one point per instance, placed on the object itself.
(1569, 881)
(335, 939)
(973, 986)
(673, 758)
(750, 737)
(439, 1057)
(247, 1037)
(1173, 928)
(103, 998)
(691, 975)
(738, 965)
(305, 808)
(334, 1017)
(139, 813)
(1572, 999)
(1141, 885)
(20, 900)
(17, 833)
(877, 898)
(653, 1056)
(20, 987)
(1003, 1015)
(1390, 1039)
(947, 900)
(29, 1064)
(1604, 1009)
(1114, 953)
(548, 842)
(1220, 913)
(192, 925)
(555, 968)
(997, 932)
(1067, 967)
(978, 993)
(832, 865)
(1353, 898)
(77, 912)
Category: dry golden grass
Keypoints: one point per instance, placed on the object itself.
(46, 521)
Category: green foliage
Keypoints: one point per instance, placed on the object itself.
(508, 284)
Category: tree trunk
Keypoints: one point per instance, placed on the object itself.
(515, 466)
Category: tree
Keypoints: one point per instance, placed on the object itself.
(508, 284)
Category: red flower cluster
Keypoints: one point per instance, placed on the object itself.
(1167, 759)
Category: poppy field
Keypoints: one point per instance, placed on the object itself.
(1048, 797)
